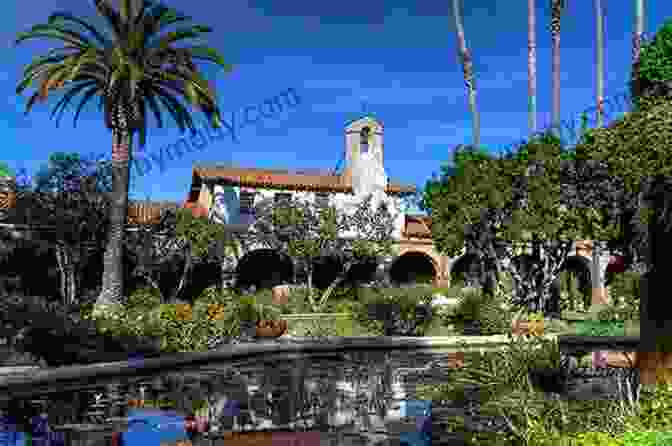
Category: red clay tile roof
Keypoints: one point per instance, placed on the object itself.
(196, 209)
(417, 226)
(282, 179)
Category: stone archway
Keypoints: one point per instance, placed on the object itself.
(414, 267)
(264, 268)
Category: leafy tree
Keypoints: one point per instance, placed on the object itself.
(537, 197)
(636, 149)
(133, 69)
(70, 195)
(308, 233)
(652, 72)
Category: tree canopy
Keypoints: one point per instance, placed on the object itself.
(540, 196)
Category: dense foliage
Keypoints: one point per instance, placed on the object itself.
(308, 233)
(653, 74)
(539, 196)
(37, 325)
(395, 311)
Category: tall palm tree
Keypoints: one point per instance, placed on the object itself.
(557, 7)
(532, 64)
(468, 70)
(599, 63)
(638, 35)
(139, 68)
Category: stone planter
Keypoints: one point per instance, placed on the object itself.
(527, 328)
(7, 196)
(620, 359)
(271, 329)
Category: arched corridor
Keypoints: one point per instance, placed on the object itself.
(264, 268)
(413, 267)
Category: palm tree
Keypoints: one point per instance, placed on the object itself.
(139, 68)
(532, 64)
(468, 70)
(556, 12)
(638, 35)
(599, 55)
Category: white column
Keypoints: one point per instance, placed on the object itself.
(600, 261)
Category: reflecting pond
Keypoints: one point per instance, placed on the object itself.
(362, 397)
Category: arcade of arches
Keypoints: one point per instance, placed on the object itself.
(416, 261)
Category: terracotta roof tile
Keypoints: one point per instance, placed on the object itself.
(272, 178)
(418, 226)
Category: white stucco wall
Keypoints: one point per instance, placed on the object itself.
(226, 205)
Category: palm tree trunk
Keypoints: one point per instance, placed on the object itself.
(113, 273)
(637, 38)
(532, 64)
(468, 70)
(556, 13)
(639, 30)
(599, 56)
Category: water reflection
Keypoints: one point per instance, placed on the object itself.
(344, 393)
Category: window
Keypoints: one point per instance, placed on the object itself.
(281, 197)
(247, 202)
(364, 140)
(322, 199)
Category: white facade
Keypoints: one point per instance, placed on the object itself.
(364, 165)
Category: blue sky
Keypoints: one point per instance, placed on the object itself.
(398, 57)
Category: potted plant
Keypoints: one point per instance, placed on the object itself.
(530, 324)
(268, 324)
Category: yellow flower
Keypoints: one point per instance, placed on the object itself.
(183, 312)
(215, 311)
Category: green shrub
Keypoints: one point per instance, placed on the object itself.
(379, 307)
(625, 294)
(215, 295)
(470, 301)
(297, 302)
(608, 327)
(572, 297)
(144, 298)
(349, 293)
(655, 409)
(492, 312)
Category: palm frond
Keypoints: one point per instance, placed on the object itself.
(156, 110)
(104, 9)
(88, 95)
(165, 40)
(209, 54)
(136, 64)
(67, 97)
(65, 17)
(57, 31)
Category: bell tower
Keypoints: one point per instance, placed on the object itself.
(364, 168)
